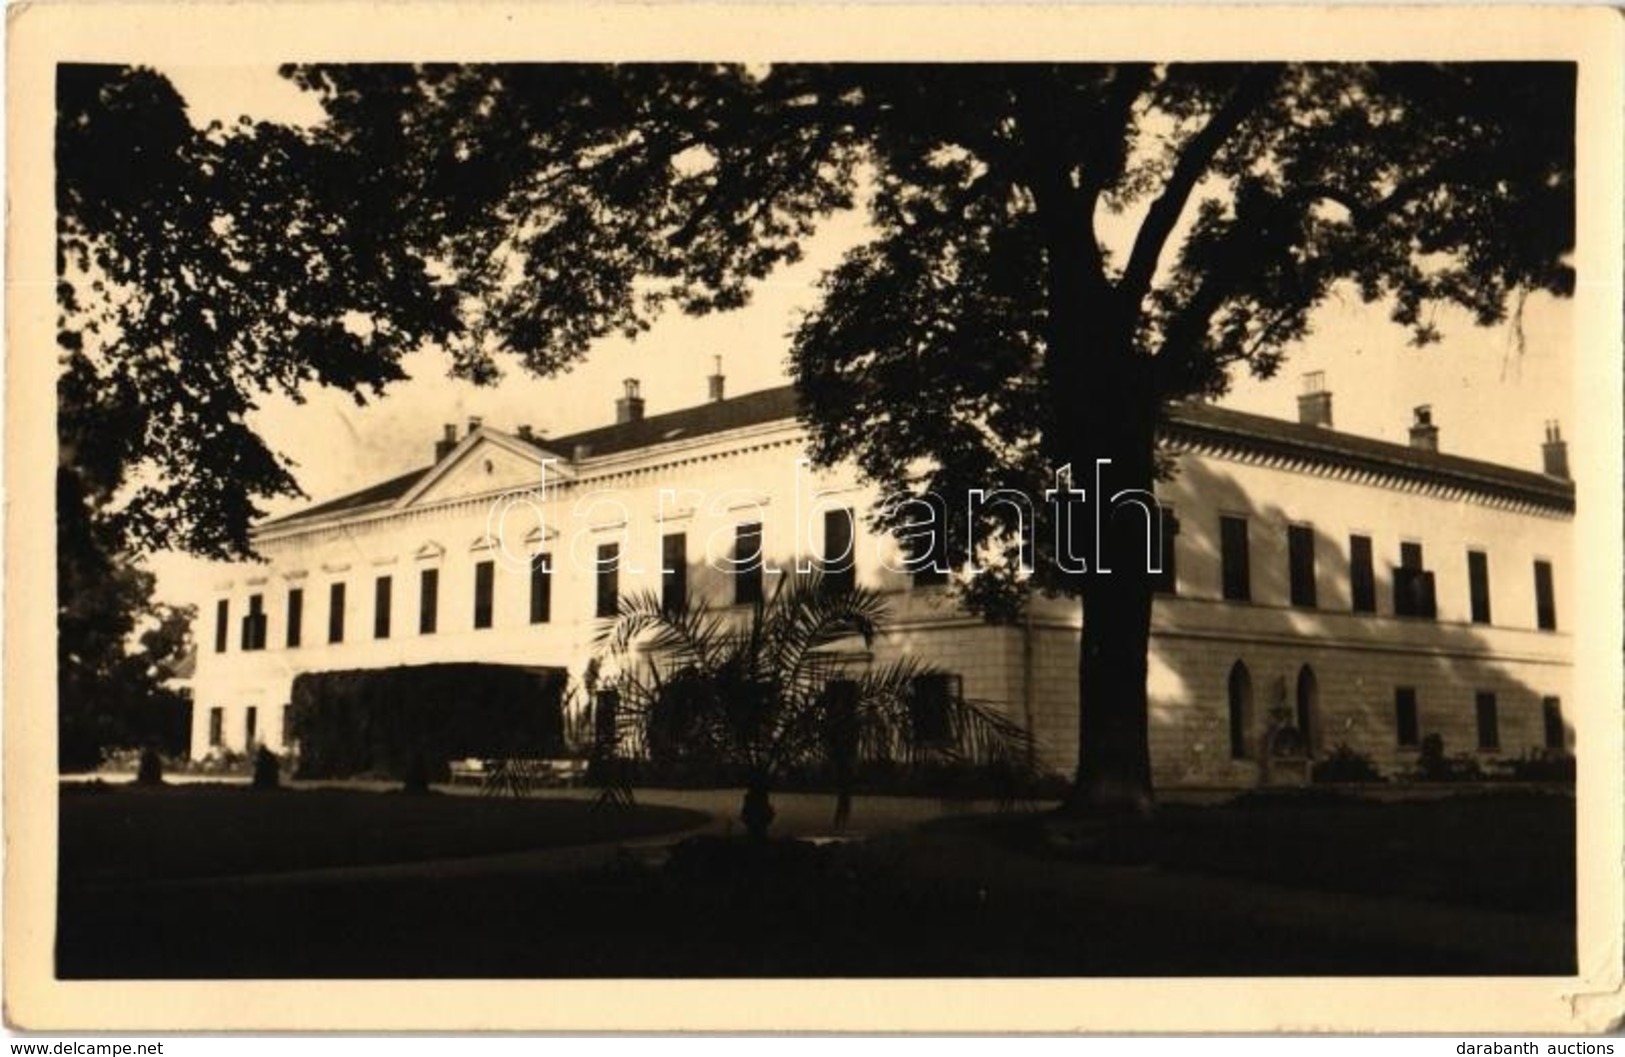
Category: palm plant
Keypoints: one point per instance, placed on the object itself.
(793, 685)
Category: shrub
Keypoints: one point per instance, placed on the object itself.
(387, 720)
(416, 779)
(1549, 765)
(221, 760)
(1345, 765)
(150, 771)
(1430, 762)
(1297, 797)
(1432, 765)
(267, 769)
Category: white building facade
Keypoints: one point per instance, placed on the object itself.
(1367, 593)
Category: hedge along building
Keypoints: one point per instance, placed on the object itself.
(1359, 592)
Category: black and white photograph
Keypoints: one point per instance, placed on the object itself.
(1036, 514)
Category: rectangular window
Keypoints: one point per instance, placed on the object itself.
(927, 547)
(296, 616)
(1551, 716)
(222, 624)
(382, 589)
(605, 705)
(287, 727)
(217, 725)
(254, 623)
(485, 576)
(1478, 585)
(335, 613)
(608, 602)
(1489, 723)
(1545, 604)
(1413, 585)
(747, 569)
(1405, 720)
(1238, 585)
(541, 589)
(839, 542)
(1300, 545)
(842, 733)
(673, 571)
(1167, 581)
(930, 707)
(1362, 575)
(251, 726)
(428, 601)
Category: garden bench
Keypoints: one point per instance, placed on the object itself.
(528, 773)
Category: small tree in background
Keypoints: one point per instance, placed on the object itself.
(267, 769)
(150, 769)
(790, 686)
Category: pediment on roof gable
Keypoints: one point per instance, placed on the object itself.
(487, 463)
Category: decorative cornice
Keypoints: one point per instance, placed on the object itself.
(1456, 480)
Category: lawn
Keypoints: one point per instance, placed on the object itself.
(1327, 889)
(128, 833)
(1511, 851)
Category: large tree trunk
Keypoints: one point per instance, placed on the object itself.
(1115, 413)
(1114, 753)
(1103, 404)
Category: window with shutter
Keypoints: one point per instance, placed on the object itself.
(839, 541)
(485, 576)
(747, 564)
(1301, 564)
(1234, 558)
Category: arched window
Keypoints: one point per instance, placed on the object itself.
(1309, 709)
(1241, 712)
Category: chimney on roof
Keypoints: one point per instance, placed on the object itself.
(443, 446)
(714, 386)
(1315, 402)
(629, 408)
(525, 433)
(473, 424)
(1424, 434)
(1555, 452)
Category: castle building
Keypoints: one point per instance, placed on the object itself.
(1361, 592)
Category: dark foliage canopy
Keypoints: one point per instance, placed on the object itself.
(518, 213)
(199, 271)
(117, 648)
(1048, 241)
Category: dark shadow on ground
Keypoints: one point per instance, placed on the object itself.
(966, 899)
(113, 834)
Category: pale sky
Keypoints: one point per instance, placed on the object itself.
(1489, 400)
